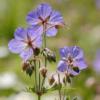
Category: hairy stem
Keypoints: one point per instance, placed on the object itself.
(60, 87)
(39, 77)
(45, 44)
(43, 83)
(45, 59)
(35, 76)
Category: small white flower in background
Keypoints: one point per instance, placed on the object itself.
(8, 80)
(22, 96)
(90, 82)
(52, 96)
(97, 97)
(3, 51)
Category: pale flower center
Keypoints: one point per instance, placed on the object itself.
(69, 61)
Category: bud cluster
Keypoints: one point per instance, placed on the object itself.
(28, 68)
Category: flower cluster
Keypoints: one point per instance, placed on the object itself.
(42, 20)
(30, 44)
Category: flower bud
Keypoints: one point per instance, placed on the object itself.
(49, 55)
(36, 51)
(67, 78)
(43, 71)
(76, 69)
(30, 70)
(25, 65)
(51, 80)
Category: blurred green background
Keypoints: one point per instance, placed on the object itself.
(82, 18)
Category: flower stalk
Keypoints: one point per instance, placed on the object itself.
(43, 22)
(59, 86)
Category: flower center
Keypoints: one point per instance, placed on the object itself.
(44, 21)
(69, 61)
(30, 43)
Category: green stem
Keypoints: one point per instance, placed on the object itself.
(39, 97)
(42, 83)
(60, 87)
(39, 77)
(45, 44)
(45, 59)
(35, 76)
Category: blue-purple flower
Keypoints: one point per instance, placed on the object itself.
(72, 60)
(24, 42)
(45, 19)
(96, 63)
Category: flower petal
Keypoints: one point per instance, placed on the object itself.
(96, 65)
(96, 62)
(56, 18)
(38, 42)
(80, 63)
(32, 18)
(62, 67)
(72, 72)
(35, 31)
(20, 34)
(26, 54)
(64, 52)
(76, 52)
(44, 10)
(16, 46)
(51, 32)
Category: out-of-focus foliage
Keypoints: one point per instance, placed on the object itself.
(82, 18)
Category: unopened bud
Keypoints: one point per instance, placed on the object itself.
(25, 65)
(49, 55)
(43, 71)
(51, 80)
(68, 74)
(30, 70)
(67, 78)
(76, 69)
(36, 51)
(60, 25)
